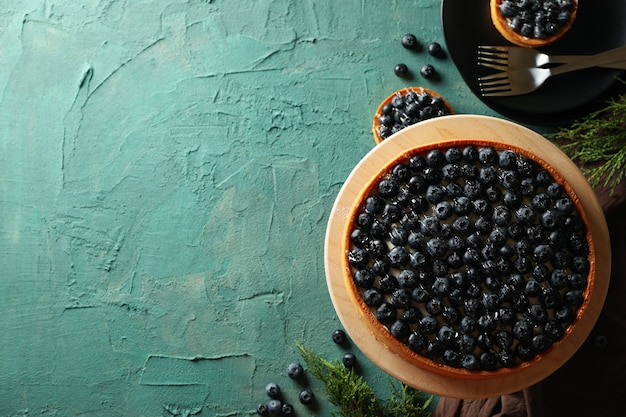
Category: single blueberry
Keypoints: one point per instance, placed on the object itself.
(401, 70)
(272, 390)
(306, 396)
(428, 71)
(409, 41)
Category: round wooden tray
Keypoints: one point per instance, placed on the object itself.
(449, 129)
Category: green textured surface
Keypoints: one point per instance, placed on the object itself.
(166, 172)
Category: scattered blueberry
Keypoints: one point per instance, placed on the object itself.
(287, 409)
(272, 390)
(401, 70)
(435, 49)
(306, 396)
(349, 360)
(295, 371)
(339, 337)
(409, 41)
(262, 409)
(428, 71)
(275, 406)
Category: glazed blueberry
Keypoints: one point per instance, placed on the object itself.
(443, 210)
(401, 298)
(451, 357)
(470, 362)
(537, 314)
(435, 306)
(373, 297)
(488, 156)
(523, 330)
(550, 297)
(386, 313)
(417, 341)
(428, 324)
(506, 358)
(454, 155)
(400, 329)
(553, 330)
(488, 361)
(412, 315)
(398, 256)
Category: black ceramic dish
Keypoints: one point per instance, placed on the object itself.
(599, 26)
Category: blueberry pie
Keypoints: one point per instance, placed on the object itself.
(533, 23)
(470, 256)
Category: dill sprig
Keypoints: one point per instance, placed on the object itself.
(598, 143)
(354, 397)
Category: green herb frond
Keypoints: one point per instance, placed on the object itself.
(407, 401)
(598, 143)
(346, 390)
(353, 397)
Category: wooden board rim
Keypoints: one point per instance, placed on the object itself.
(444, 129)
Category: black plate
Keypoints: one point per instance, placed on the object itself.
(599, 25)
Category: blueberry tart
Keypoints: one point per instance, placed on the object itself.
(467, 257)
(407, 107)
(533, 23)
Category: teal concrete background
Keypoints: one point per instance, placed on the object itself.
(167, 168)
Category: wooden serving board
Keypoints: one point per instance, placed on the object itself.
(450, 129)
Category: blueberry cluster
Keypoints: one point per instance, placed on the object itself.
(538, 19)
(410, 41)
(408, 108)
(276, 404)
(474, 257)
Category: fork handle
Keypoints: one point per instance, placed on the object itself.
(572, 59)
(612, 56)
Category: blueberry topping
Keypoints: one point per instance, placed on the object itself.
(465, 248)
(407, 108)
